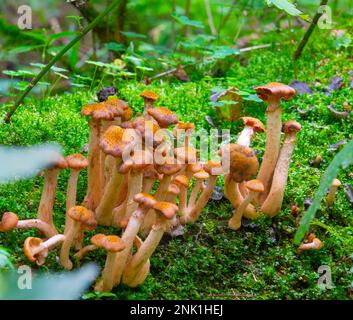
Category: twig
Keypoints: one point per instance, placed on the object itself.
(306, 37)
(210, 18)
(165, 73)
(46, 69)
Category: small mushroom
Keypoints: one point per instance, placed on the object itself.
(272, 93)
(149, 98)
(97, 112)
(113, 142)
(251, 126)
(313, 243)
(76, 163)
(200, 177)
(145, 202)
(81, 217)
(185, 128)
(182, 182)
(273, 202)
(165, 212)
(36, 250)
(163, 116)
(113, 245)
(254, 187)
(332, 193)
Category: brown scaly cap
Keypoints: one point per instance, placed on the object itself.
(29, 247)
(243, 162)
(58, 163)
(119, 107)
(181, 181)
(166, 209)
(114, 142)
(210, 165)
(276, 90)
(201, 175)
(97, 111)
(149, 95)
(163, 116)
(138, 161)
(173, 189)
(194, 167)
(169, 168)
(113, 243)
(291, 126)
(185, 126)
(186, 154)
(76, 161)
(139, 124)
(8, 222)
(255, 186)
(256, 124)
(145, 200)
(97, 239)
(83, 215)
(151, 173)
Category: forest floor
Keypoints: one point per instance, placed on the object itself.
(210, 261)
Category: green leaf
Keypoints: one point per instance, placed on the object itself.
(60, 35)
(286, 6)
(221, 52)
(185, 21)
(115, 46)
(23, 49)
(5, 262)
(343, 159)
(133, 35)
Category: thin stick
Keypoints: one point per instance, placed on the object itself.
(46, 69)
(306, 37)
(210, 18)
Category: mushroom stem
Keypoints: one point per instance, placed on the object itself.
(273, 203)
(332, 193)
(42, 226)
(128, 238)
(183, 199)
(94, 184)
(195, 191)
(273, 144)
(108, 272)
(147, 185)
(84, 251)
(45, 209)
(50, 243)
(135, 187)
(245, 136)
(193, 213)
(235, 222)
(105, 208)
(65, 248)
(71, 196)
(146, 250)
(233, 194)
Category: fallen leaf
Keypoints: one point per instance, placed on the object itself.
(336, 83)
(338, 114)
(181, 74)
(301, 87)
(349, 192)
(336, 145)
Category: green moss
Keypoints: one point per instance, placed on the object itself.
(210, 261)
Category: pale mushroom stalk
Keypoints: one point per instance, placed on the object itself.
(254, 186)
(273, 203)
(42, 226)
(50, 243)
(165, 212)
(147, 185)
(105, 209)
(135, 187)
(108, 272)
(145, 203)
(94, 183)
(194, 193)
(245, 136)
(65, 248)
(84, 251)
(332, 193)
(71, 195)
(45, 209)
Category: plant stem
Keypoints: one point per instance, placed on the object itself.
(46, 69)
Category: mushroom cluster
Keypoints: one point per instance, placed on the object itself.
(144, 182)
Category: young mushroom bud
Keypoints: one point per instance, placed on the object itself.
(36, 250)
(332, 193)
(254, 187)
(273, 202)
(165, 212)
(45, 209)
(313, 243)
(149, 98)
(81, 218)
(200, 177)
(272, 93)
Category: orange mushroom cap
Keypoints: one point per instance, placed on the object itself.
(255, 185)
(114, 141)
(149, 95)
(145, 200)
(169, 168)
(166, 210)
(255, 123)
(181, 180)
(97, 111)
(276, 90)
(186, 154)
(120, 108)
(77, 161)
(163, 116)
(291, 126)
(8, 222)
(31, 247)
(83, 215)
